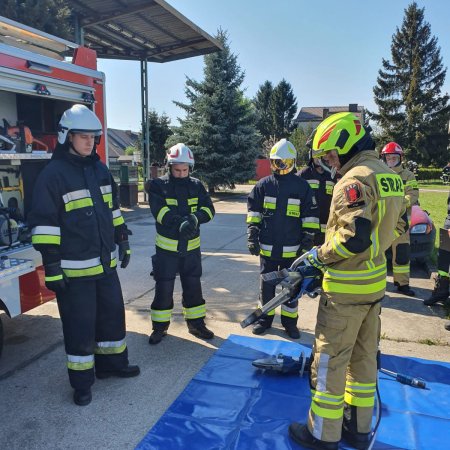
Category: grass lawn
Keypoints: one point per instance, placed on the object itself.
(436, 205)
(436, 185)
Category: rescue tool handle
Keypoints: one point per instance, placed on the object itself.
(406, 379)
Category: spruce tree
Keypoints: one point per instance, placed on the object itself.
(284, 106)
(219, 125)
(159, 131)
(263, 106)
(411, 109)
(276, 107)
(50, 16)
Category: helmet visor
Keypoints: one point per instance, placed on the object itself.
(282, 166)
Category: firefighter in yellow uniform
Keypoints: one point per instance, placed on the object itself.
(392, 155)
(367, 213)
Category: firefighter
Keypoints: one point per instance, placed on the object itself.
(76, 224)
(322, 183)
(180, 204)
(282, 219)
(441, 283)
(392, 155)
(367, 212)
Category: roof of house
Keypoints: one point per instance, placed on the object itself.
(119, 140)
(316, 113)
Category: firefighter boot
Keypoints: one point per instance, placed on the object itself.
(299, 433)
(198, 328)
(440, 292)
(126, 372)
(262, 325)
(82, 397)
(406, 290)
(293, 332)
(360, 441)
(158, 333)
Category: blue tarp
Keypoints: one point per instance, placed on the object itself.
(231, 405)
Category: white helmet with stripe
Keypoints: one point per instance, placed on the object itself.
(180, 154)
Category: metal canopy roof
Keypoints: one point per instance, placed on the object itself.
(139, 30)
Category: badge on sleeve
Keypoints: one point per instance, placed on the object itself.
(353, 195)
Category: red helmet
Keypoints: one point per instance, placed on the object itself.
(392, 148)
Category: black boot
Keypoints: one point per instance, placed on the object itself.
(360, 441)
(82, 397)
(299, 433)
(126, 372)
(440, 292)
(156, 336)
(263, 324)
(198, 329)
(406, 290)
(293, 332)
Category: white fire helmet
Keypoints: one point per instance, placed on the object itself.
(79, 119)
(180, 154)
(282, 157)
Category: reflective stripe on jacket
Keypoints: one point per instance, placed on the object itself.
(411, 187)
(371, 191)
(75, 216)
(173, 198)
(322, 185)
(283, 211)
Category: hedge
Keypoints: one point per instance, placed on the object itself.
(427, 174)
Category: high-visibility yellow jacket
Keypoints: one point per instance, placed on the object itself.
(411, 186)
(368, 211)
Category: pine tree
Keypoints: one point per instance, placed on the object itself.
(299, 137)
(50, 16)
(263, 106)
(159, 131)
(276, 107)
(411, 109)
(220, 122)
(283, 106)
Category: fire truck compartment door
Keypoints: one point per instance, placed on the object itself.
(26, 83)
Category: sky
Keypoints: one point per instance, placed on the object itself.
(329, 51)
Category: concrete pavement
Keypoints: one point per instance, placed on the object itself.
(35, 397)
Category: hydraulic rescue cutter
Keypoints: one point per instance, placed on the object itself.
(299, 279)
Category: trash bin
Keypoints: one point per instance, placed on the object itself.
(128, 189)
(128, 195)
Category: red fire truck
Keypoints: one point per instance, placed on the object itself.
(37, 84)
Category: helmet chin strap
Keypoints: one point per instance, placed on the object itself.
(331, 170)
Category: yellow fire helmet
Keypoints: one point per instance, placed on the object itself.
(338, 132)
(282, 157)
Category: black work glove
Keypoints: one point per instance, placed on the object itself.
(124, 253)
(253, 247)
(188, 228)
(55, 280)
(253, 240)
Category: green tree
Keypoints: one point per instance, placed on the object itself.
(299, 137)
(50, 16)
(220, 122)
(276, 108)
(263, 106)
(284, 106)
(411, 109)
(159, 131)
